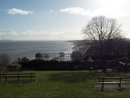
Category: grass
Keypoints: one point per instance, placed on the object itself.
(61, 84)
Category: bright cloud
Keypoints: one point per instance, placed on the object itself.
(75, 10)
(19, 11)
(97, 12)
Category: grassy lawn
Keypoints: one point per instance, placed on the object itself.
(61, 84)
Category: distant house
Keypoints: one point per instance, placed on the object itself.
(76, 54)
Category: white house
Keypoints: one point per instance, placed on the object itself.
(76, 54)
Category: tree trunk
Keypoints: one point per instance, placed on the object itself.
(104, 64)
(0, 75)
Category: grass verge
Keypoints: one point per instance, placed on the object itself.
(61, 84)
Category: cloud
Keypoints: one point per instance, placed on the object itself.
(100, 11)
(19, 11)
(43, 33)
(52, 11)
(39, 35)
(32, 33)
(8, 32)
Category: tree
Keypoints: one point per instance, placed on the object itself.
(119, 47)
(4, 58)
(23, 59)
(128, 49)
(101, 29)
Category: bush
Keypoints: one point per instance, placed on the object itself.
(13, 67)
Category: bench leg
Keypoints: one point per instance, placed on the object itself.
(119, 87)
(102, 88)
(5, 79)
(31, 78)
(18, 78)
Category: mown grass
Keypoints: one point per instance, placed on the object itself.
(61, 84)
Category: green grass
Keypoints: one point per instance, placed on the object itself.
(61, 84)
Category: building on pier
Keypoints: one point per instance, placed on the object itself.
(39, 55)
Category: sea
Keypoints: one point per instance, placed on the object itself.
(16, 49)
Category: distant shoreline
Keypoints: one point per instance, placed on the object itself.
(6, 40)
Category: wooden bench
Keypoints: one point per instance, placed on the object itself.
(117, 80)
(19, 77)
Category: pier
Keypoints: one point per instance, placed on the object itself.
(58, 56)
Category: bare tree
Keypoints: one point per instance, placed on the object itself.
(4, 60)
(100, 29)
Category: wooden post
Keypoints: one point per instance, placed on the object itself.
(0, 75)
(5, 78)
(102, 85)
(31, 78)
(18, 78)
(119, 88)
(120, 83)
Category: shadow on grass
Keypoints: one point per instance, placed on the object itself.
(77, 76)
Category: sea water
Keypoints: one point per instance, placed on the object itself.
(16, 49)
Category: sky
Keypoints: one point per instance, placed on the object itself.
(57, 19)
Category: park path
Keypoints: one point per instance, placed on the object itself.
(112, 87)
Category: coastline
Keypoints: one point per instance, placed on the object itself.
(16, 49)
(80, 45)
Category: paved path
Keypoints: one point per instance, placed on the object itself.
(112, 87)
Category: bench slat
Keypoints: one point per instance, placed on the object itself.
(113, 82)
(109, 82)
(115, 78)
(110, 78)
(125, 81)
(19, 76)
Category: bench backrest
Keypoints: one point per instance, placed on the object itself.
(19, 75)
